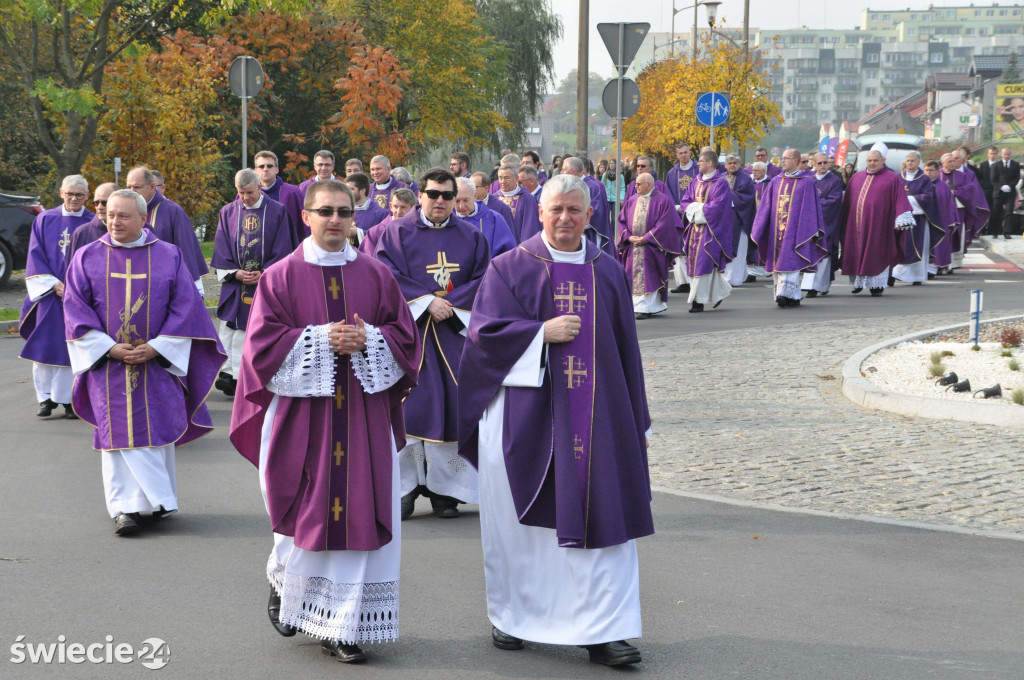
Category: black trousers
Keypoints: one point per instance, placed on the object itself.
(1002, 215)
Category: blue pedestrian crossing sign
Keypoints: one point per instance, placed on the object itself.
(713, 108)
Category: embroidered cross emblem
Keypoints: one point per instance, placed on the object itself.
(442, 271)
(577, 446)
(570, 298)
(575, 370)
(339, 398)
(338, 453)
(334, 287)
(337, 509)
(65, 241)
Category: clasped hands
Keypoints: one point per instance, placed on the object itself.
(248, 278)
(347, 338)
(440, 310)
(562, 329)
(637, 240)
(130, 354)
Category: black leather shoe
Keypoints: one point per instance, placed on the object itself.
(444, 507)
(343, 652)
(696, 307)
(916, 283)
(781, 302)
(274, 612)
(504, 640)
(225, 383)
(46, 408)
(69, 412)
(640, 316)
(812, 293)
(876, 292)
(618, 653)
(126, 524)
(856, 290)
(892, 281)
(715, 306)
(750, 279)
(408, 505)
(681, 288)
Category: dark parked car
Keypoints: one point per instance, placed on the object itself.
(16, 215)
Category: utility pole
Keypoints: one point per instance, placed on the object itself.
(746, 59)
(583, 78)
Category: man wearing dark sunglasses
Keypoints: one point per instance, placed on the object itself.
(438, 259)
(97, 226)
(330, 350)
(288, 195)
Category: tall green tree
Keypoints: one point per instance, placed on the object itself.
(61, 49)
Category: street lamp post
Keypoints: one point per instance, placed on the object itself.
(710, 5)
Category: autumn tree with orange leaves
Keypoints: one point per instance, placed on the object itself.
(668, 97)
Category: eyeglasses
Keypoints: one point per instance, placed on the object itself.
(265, 165)
(99, 201)
(434, 194)
(69, 194)
(328, 211)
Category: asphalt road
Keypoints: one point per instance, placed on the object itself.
(728, 591)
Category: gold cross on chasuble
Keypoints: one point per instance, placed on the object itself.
(576, 371)
(442, 270)
(337, 509)
(334, 288)
(577, 446)
(124, 334)
(570, 299)
(338, 453)
(339, 398)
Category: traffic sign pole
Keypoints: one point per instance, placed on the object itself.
(619, 175)
(245, 117)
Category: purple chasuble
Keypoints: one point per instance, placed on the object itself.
(830, 195)
(742, 206)
(499, 207)
(579, 466)
(328, 467)
(525, 215)
(134, 295)
(371, 237)
(788, 227)
(871, 205)
(678, 179)
(170, 224)
(42, 322)
(706, 245)
(923, 191)
(435, 261)
(975, 211)
(249, 239)
(599, 202)
(770, 172)
(372, 215)
(949, 218)
(86, 234)
(655, 218)
(493, 227)
(290, 196)
(753, 259)
(382, 197)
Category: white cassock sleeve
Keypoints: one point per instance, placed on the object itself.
(200, 287)
(175, 350)
(419, 305)
(915, 207)
(38, 286)
(308, 370)
(464, 318)
(226, 274)
(529, 370)
(376, 368)
(695, 213)
(88, 349)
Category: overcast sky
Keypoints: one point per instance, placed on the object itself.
(765, 14)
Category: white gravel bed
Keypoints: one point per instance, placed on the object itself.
(904, 369)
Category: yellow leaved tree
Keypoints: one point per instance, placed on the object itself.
(668, 97)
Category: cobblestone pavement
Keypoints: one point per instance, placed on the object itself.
(758, 416)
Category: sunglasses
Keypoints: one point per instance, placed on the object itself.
(99, 202)
(267, 165)
(434, 194)
(343, 211)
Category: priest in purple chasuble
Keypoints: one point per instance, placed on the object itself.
(648, 242)
(288, 195)
(681, 174)
(761, 156)
(253, 232)
(789, 229)
(755, 265)
(830, 195)
(646, 164)
(972, 210)
(482, 182)
(438, 260)
(973, 196)
(743, 207)
(913, 268)
(145, 356)
(383, 184)
(168, 222)
(367, 212)
(491, 224)
(707, 233)
(553, 413)
(875, 210)
(523, 205)
(42, 313)
(948, 219)
(92, 230)
(330, 351)
(323, 167)
(402, 201)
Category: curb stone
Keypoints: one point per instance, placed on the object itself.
(861, 392)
